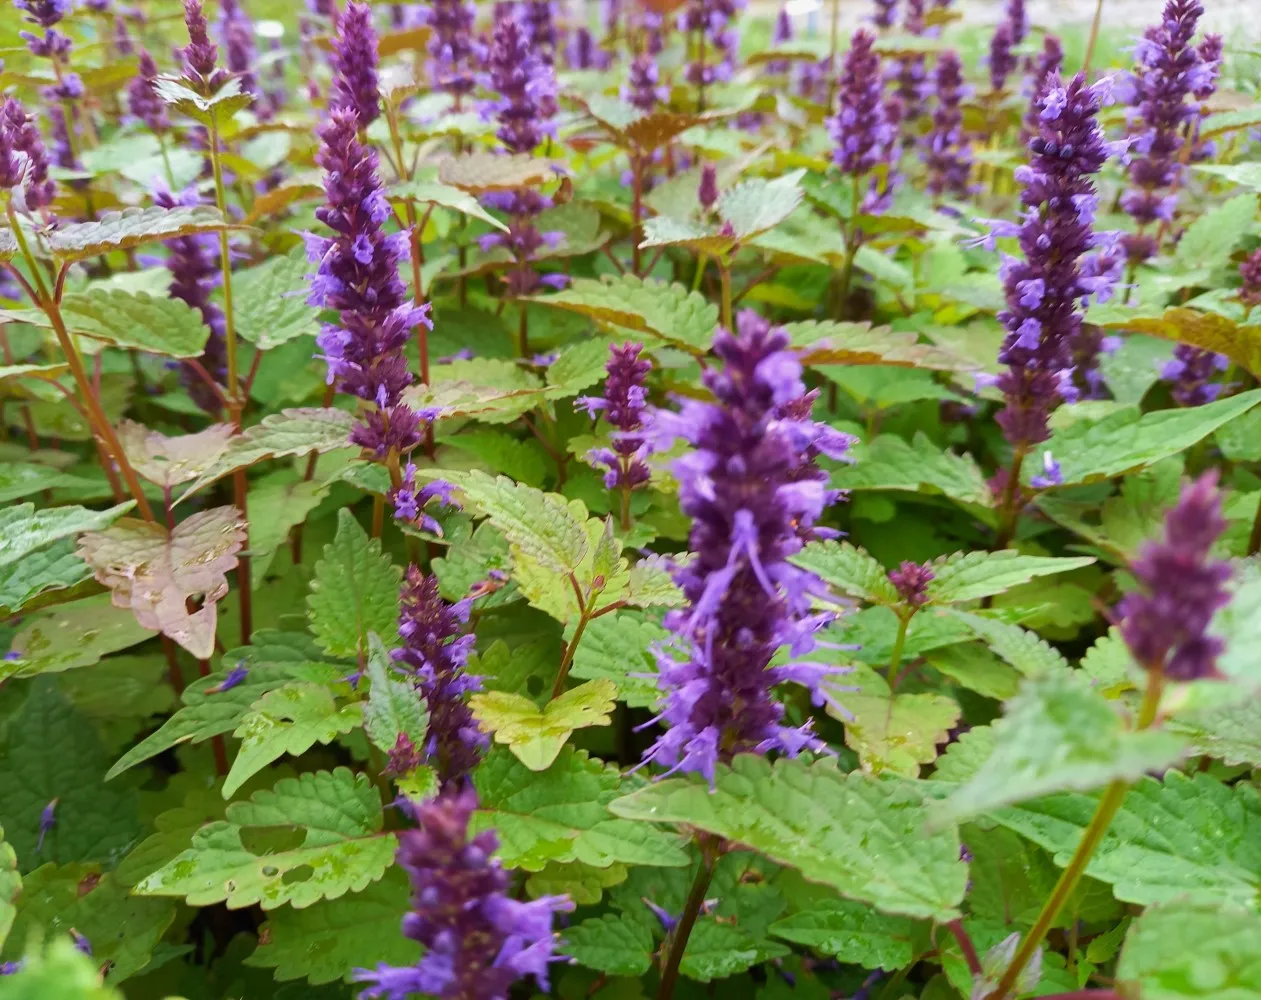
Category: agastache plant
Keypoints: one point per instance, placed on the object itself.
(623, 405)
(709, 23)
(454, 51)
(354, 60)
(947, 152)
(913, 86)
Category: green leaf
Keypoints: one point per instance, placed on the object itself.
(133, 227)
(344, 847)
(355, 591)
(535, 736)
(1182, 950)
(328, 941)
(614, 945)
(62, 972)
(756, 205)
(1243, 174)
(1210, 331)
(827, 343)
(680, 317)
(53, 568)
(973, 666)
(1213, 235)
(273, 660)
(10, 887)
(23, 529)
(214, 109)
(19, 480)
(1128, 441)
(969, 576)
(1230, 731)
(289, 432)
(862, 835)
(584, 884)
(1058, 734)
(174, 831)
(278, 503)
(289, 720)
(137, 319)
(395, 708)
(618, 647)
(894, 733)
(123, 930)
(92, 822)
(445, 196)
(850, 570)
(1181, 837)
(719, 950)
(71, 636)
(665, 231)
(1024, 650)
(852, 932)
(484, 172)
(270, 301)
(561, 815)
(889, 463)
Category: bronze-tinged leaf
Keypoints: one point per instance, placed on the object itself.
(480, 173)
(832, 343)
(278, 199)
(1207, 330)
(169, 461)
(133, 227)
(154, 572)
(408, 40)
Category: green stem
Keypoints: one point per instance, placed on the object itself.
(724, 276)
(1254, 539)
(895, 658)
(687, 919)
(225, 264)
(1094, 38)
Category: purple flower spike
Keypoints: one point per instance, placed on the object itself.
(913, 86)
(711, 21)
(23, 158)
(947, 151)
(1250, 275)
(142, 100)
(539, 19)
(865, 127)
(754, 493)
(526, 87)
(623, 405)
(911, 581)
(1018, 18)
(1002, 60)
(45, 13)
(354, 61)
(1057, 274)
(1191, 371)
(1170, 70)
(1048, 64)
(237, 32)
(453, 50)
(1166, 622)
(477, 940)
(886, 13)
(584, 53)
(435, 650)
(642, 89)
(201, 55)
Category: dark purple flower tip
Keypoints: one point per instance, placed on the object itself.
(200, 54)
(45, 13)
(1250, 275)
(707, 193)
(235, 676)
(1002, 60)
(354, 61)
(23, 158)
(526, 86)
(911, 581)
(404, 757)
(886, 13)
(947, 150)
(143, 101)
(864, 129)
(642, 89)
(1165, 623)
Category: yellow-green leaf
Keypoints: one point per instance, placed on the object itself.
(534, 735)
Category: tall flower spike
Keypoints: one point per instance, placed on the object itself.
(477, 939)
(1049, 63)
(886, 13)
(642, 89)
(623, 405)
(358, 277)
(23, 158)
(237, 33)
(193, 261)
(1018, 18)
(711, 21)
(911, 74)
(453, 51)
(754, 493)
(584, 53)
(864, 131)
(1250, 276)
(947, 152)
(1002, 60)
(435, 650)
(1165, 623)
(526, 87)
(201, 55)
(539, 17)
(142, 100)
(354, 60)
(1170, 70)
(1057, 274)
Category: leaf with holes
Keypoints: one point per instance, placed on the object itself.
(860, 834)
(133, 227)
(155, 572)
(289, 720)
(355, 592)
(535, 736)
(73, 635)
(344, 847)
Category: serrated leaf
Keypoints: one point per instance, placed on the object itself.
(290, 432)
(584, 884)
(974, 667)
(19, 480)
(155, 572)
(852, 932)
(1210, 331)
(133, 227)
(614, 945)
(862, 835)
(1128, 441)
(828, 342)
(328, 941)
(535, 736)
(344, 847)
(756, 205)
(1056, 735)
(395, 708)
(719, 950)
(969, 576)
(1230, 731)
(212, 109)
(1192, 838)
(1180, 950)
(561, 815)
(92, 822)
(70, 636)
(484, 172)
(896, 733)
(618, 647)
(61, 970)
(153, 323)
(273, 660)
(650, 584)
(23, 529)
(446, 196)
(289, 720)
(889, 463)
(55, 567)
(270, 301)
(1213, 235)
(664, 231)
(123, 931)
(169, 461)
(680, 317)
(1024, 650)
(850, 570)
(174, 829)
(355, 591)
(277, 504)
(10, 887)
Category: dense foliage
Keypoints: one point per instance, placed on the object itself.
(654, 501)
